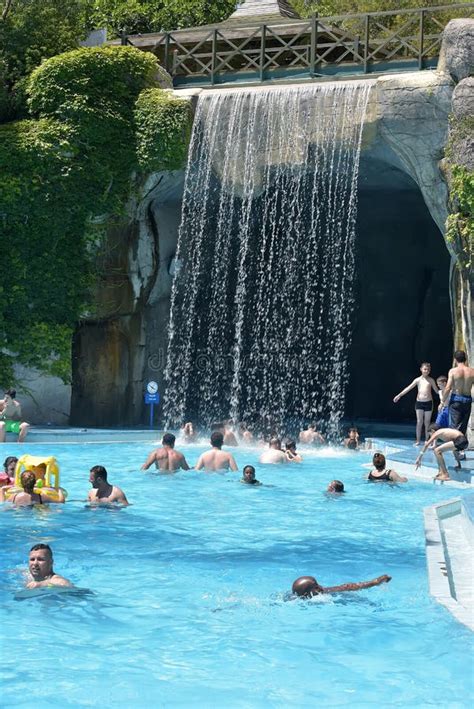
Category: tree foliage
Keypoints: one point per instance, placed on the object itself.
(59, 171)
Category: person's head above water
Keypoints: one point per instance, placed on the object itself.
(9, 465)
(28, 481)
(460, 356)
(275, 443)
(41, 562)
(97, 475)
(378, 461)
(248, 473)
(306, 587)
(335, 486)
(168, 440)
(290, 446)
(217, 439)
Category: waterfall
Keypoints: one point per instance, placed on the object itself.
(260, 323)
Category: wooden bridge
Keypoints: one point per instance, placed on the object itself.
(249, 48)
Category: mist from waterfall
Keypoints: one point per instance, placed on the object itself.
(260, 323)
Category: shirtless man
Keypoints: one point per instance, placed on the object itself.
(453, 440)
(311, 436)
(166, 458)
(102, 492)
(216, 459)
(41, 568)
(459, 386)
(307, 586)
(10, 417)
(352, 440)
(274, 454)
(424, 400)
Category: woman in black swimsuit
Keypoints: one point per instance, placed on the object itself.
(27, 496)
(381, 474)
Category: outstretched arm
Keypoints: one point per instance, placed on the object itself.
(430, 440)
(406, 390)
(358, 586)
(396, 478)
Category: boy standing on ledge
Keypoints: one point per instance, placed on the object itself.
(424, 399)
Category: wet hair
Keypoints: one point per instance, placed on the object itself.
(217, 439)
(306, 586)
(168, 439)
(460, 356)
(378, 461)
(275, 441)
(39, 547)
(290, 444)
(248, 467)
(337, 486)
(425, 364)
(219, 426)
(11, 392)
(433, 427)
(28, 481)
(442, 376)
(8, 461)
(353, 428)
(99, 472)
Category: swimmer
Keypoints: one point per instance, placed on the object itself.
(245, 434)
(381, 474)
(27, 496)
(189, 434)
(102, 491)
(424, 399)
(41, 568)
(229, 435)
(307, 586)
(274, 454)
(216, 459)
(7, 477)
(312, 436)
(453, 440)
(352, 440)
(290, 451)
(335, 487)
(248, 477)
(166, 458)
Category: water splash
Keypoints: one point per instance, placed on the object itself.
(262, 302)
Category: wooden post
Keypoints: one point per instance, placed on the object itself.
(366, 43)
(263, 51)
(214, 57)
(314, 44)
(422, 39)
(167, 52)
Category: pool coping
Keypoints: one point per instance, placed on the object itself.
(442, 582)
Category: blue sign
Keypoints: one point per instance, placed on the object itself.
(152, 398)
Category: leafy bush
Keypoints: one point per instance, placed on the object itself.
(163, 130)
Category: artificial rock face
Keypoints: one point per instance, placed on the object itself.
(457, 50)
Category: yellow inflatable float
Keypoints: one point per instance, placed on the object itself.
(46, 471)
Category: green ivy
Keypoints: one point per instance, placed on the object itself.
(163, 130)
(58, 173)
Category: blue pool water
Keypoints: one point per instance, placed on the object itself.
(189, 591)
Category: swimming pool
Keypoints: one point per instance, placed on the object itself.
(190, 583)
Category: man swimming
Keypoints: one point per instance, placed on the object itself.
(248, 476)
(335, 487)
(453, 440)
(41, 571)
(459, 386)
(307, 586)
(166, 458)
(103, 492)
(274, 454)
(216, 459)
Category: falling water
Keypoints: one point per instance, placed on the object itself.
(260, 323)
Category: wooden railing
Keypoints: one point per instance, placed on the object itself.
(351, 44)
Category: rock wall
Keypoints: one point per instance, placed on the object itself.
(405, 134)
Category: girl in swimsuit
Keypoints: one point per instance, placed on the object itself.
(381, 474)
